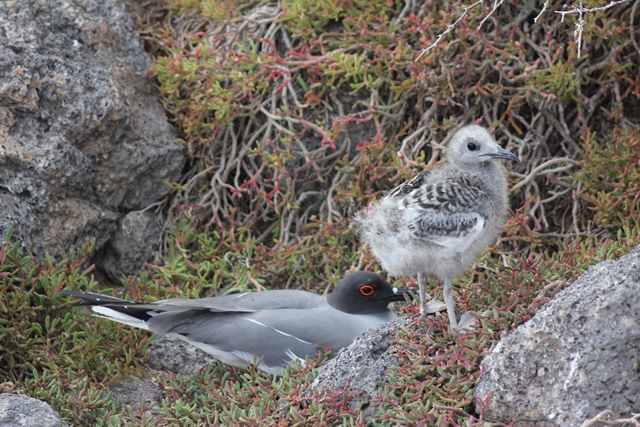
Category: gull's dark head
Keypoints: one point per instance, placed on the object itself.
(364, 292)
(473, 145)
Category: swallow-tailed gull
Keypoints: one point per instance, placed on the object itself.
(268, 328)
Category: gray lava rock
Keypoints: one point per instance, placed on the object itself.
(174, 355)
(134, 392)
(23, 411)
(578, 356)
(128, 250)
(83, 138)
(364, 364)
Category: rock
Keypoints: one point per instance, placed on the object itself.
(127, 251)
(134, 392)
(23, 411)
(174, 355)
(578, 356)
(83, 138)
(363, 365)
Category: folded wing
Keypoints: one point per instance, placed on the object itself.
(449, 212)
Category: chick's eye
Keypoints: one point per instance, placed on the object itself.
(367, 290)
(472, 147)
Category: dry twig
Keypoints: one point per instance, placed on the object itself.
(606, 418)
(581, 11)
(465, 10)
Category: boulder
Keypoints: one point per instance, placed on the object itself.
(23, 411)
(578, 356)
(83, 139)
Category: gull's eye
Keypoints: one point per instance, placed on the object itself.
(367, 290)
(472, 147)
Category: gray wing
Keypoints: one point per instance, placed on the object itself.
(274, 336)
(447, 196)
(247, 302)
(448, 211)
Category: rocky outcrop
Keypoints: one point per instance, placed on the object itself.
(361, 367)
(578, 356)
(23, 411)
(83, 138)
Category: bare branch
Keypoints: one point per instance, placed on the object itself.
(606, 418)
(541, 167)
(465, 10)
(408, 6)
(577, 10)
(544, 7)
(580, 11)
(496, 3)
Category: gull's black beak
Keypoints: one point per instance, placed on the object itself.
(398, 295)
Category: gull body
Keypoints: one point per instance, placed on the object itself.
(269, 328)
(438, 223)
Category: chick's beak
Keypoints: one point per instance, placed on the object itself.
(501, 153)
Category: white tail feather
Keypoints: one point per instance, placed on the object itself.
(108, 313)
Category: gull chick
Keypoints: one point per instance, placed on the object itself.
(437, 224)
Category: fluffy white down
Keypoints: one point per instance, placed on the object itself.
(382, 228)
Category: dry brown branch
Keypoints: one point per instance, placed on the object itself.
(543, 293)
(562, 128)
(540, 170)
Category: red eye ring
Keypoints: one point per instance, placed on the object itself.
(367, 290)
